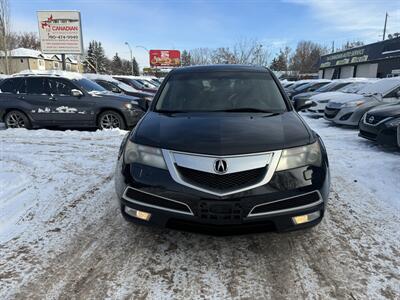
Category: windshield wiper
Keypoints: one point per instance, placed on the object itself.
(247, 109)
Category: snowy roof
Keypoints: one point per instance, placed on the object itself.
(23, 52)
(382, 86)
(58, 73)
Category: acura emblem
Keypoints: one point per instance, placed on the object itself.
(220, 166)
(371, 119)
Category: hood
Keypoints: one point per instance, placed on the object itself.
(222, 133)
(385, 111)
(326, 96)
(346, 97)
(306, 95)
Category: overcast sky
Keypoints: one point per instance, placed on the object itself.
(192, 24)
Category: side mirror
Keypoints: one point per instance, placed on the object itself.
(397, 94)
(76, 93)
(300, 104)
(312, 89)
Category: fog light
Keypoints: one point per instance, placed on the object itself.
(306, 218)
(142, 215)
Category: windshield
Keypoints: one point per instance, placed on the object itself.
(314, 85)
(333, 86)
(353, 87)
(90, 86)
(146, 83)
(382, 86)
(221, 91)
(125, 87)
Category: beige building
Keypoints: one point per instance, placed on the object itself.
(28, 59)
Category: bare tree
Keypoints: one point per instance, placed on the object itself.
(250, 52)
(5, 30)
(200, 56)
(223, 56)
(306, 57)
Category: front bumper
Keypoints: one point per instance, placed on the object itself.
(380, 133)
(270, 206)
(349, 116)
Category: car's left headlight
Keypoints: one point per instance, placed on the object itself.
(308, 155)
(394, 122)
(354, 103)
(150, 156)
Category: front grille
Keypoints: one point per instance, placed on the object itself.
(372, 120)
(286, 203)
(345, 117)
(222, 182)
(331, 112)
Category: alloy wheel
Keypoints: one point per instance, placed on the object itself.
(15, 120)
(109, 121)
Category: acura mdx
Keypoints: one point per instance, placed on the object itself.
(222, 147)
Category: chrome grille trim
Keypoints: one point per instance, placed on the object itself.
(287, 209)
(156, 206)
(250, 161)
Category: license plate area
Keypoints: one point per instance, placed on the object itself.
(220, 212)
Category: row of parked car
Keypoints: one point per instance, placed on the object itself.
(371, 105)
(65, 99)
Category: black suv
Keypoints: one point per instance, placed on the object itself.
(34, 101)
(221, 147)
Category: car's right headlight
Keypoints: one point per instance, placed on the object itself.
(308, 155)
(150, 156)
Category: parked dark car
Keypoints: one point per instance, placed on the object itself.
(221, 147)
(33, 101)
(382, 125)
(330, 87)
(135, 83)
(308, 87)
(118, 87)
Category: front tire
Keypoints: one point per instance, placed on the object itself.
(110, 120)
(17, 119)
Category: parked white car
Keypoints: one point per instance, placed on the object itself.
(350, 110)
(349, 91)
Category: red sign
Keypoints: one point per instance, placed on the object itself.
(165, 58)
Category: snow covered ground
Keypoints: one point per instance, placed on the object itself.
(62, 236)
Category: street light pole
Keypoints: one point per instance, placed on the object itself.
(130, 50)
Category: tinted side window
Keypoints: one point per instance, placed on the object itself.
(36, 85)
(60, 86)
(10, 85)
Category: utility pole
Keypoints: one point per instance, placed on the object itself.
(384, 28)
(130, 50)
(333, 46)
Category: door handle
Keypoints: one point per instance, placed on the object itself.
(53, 98)
(21, 97)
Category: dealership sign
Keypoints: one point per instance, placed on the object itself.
(165, 58)
(60, 32)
